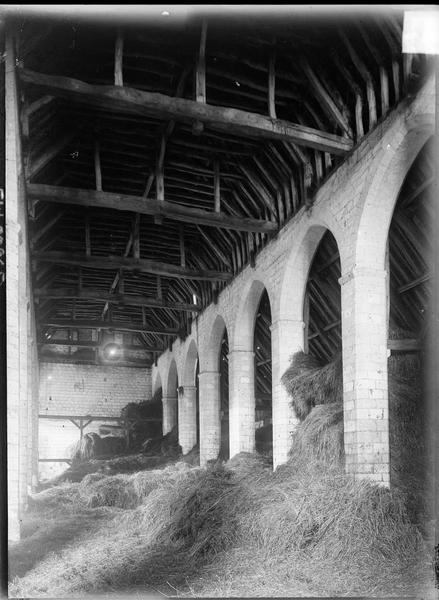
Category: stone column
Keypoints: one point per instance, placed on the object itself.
(241, 401)
(169, 413)
(287, 338)
(365, 385)
(187, 418)
(210, 417)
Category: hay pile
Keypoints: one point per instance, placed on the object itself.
(317, 400)
(309, 383)
(136, 414)
(242, 530)
(92, 445)
(122, 464)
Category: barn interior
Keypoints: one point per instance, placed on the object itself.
(159, 173)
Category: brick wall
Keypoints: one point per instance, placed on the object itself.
(89, 389)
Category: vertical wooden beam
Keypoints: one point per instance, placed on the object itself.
(87, 234)
(200, 76)
(395, 77)
(98, 172)
(359, 115)
(182, 248)
(121, 286)
(136, 237)
(159, 288)
(384, 81)
(272, 85)
(217, 186)
(118, 59)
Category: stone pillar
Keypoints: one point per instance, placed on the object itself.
(287, 338)
(187, 418)
(210, 416)
(365, 385)
(169, 413)
(241, 401)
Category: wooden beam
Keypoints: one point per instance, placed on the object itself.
(121, 262)
(327, 102)
(272, 85)
(37, 164)
(90, 344)
(136, 237)
(97, 163)
(417, 192)
(118, 59)
(140, 205)
(137, 327)
(200, 77)
(217, 186)
(414, 283)
(404, 345)
(45, 228)
(98, 295)
(239, 122)
(182, 247)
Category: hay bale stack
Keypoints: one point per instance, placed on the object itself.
(309, 383)
(137, 413)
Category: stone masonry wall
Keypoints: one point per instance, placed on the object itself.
(91, 390)
(350, 204)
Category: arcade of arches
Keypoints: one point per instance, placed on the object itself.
(327, 283)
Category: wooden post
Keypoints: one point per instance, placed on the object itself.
(272, 85)
(87, 234)
(118, 58)
(136, 237)
(182, 248)
(98, 172)
(200, 77)
(217, 186)
(159, 287)
(384, 81)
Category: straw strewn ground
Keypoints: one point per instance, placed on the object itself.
(235, 529)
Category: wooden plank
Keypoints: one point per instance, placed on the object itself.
(237, 121)
(404, 345)
(114, 326)
(97, 295)
(121, 262)
(125, 202)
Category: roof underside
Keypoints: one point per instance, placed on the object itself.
(141, 208)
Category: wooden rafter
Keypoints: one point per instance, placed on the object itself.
(150, 103)
(98, 295)
(162, 208)
(120, 262)
(108, 325)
